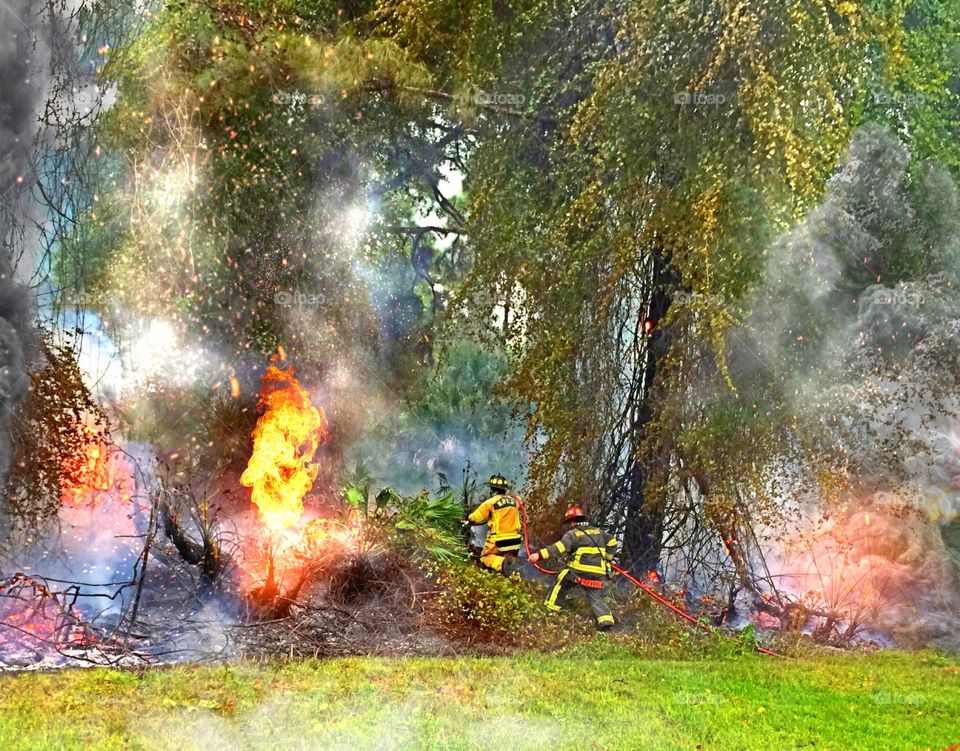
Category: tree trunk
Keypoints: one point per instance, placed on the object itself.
(643, 527)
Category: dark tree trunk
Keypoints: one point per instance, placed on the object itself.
(643, 528)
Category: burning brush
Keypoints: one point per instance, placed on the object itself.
(36, 621)
(288, 548)
(280, 546)
(292, 558)
(95, 471)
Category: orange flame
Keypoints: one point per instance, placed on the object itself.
(93, 471)
(285, 439)
(322, 537)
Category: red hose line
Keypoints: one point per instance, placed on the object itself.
(526, 538)
(630, 578)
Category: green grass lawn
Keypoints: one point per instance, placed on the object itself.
(886, 701)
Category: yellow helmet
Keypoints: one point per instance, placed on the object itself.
(499, 483)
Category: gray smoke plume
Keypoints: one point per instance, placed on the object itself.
(20, 47)
(857, 317)
(18, 94)
(13, 387)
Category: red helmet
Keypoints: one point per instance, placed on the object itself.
(574, 513)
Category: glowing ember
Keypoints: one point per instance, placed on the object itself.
(285, 439)
(32, 617)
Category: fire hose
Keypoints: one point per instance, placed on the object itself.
(630, 578)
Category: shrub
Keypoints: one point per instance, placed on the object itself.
(411, 523)
(477, 606)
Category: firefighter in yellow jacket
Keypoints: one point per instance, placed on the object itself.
(502, 517)
(589, 551)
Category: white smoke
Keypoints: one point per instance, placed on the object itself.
(858, 318)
